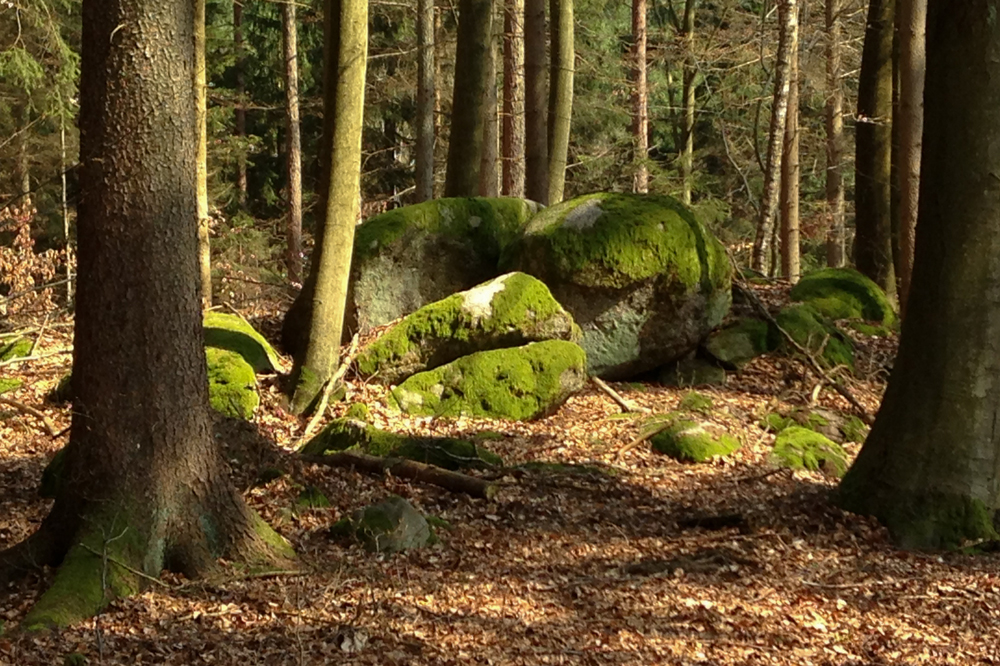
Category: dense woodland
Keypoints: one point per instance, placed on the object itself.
(603, 332)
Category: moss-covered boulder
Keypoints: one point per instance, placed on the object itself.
(232, 385)
(391, 526)
(693, 441)
(348, 434)
(844, 293)
(642, 277)
(231, 331)
(8, 384)
(18, 348)
(518, 383)
(801, 448)
(815, 333)
(508, 311)
(739, 343)
(691, 371)
(836, 426)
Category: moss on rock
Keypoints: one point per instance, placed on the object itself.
(8, 384)
(232, 384)
(18, 348)
(844, 293)
(508, 311)
(692, 441)
(740, 342)
(695, 402)
(233, 332)
(391, 526)
(519, 383)
(359, 411)
(815, 333)
(800, 448)
(854, 429)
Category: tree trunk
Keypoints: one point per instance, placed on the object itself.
(144, 485)
(873, 160)
(346, 28)
(536, 95)
(475, 28)
(790, 264)
(512, 148)
(776, 134)
(640, 117)
(834, 138)
(912, 63)
(561, 65)
(240, 113)
(928, 469)
(293, 229)
(201, 172)
(64, 208)
(687, 95)
(425, 100)
(23, 171)
(489, 176)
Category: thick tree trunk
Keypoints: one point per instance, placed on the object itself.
(688, 97)
(293, 227)
(536, 96)
(489, 174)
(425, 100)
(873, 160)
(776, 134)
(201, 172)
(344, 74)
(929, 468)
(512, 147)
(144, 486)
(790, 264)
(475, 28)
(561, 65)
(912, 63)
(640, 114)
(240, 113)
(834, 138)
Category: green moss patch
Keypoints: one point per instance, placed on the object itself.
(359, 411)
(844, 293)
(694, 442)
(521, 383)
(232, 384)
(696, 402)
(739, 343)
(234, 333)
(16, 349)
(8, 384)
(312, 497)
(800, 448)
(854, 429)
(815, 333)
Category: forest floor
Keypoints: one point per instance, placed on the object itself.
(607, 563)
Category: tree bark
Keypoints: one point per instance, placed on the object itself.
(929, 467)
(475, 28)
(790, 263)
(873, 160)
(425, 100)
(201, 173)
(912, 64)
(240, 112)
(688, 100)
(23, 171)
(345, 61)
(640, 114)
(561, 65)
(144, 486)
(293, 227)
(536, 95)
(489, 176)
(834, 138)
(776, 134)
(512, 147)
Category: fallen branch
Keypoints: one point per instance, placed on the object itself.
(408, 469)
(324, 399)
(28, 409)
(36, 357)
(614, 395)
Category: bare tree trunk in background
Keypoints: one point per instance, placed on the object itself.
(790, 262)
(201, 169)
(688, 100)
(512, 147)
(873, 160)
(241, 113)
(640, 112)
(425, 100)
(536, 100)
(776, 135)
(834, 138)
(293, 228)
(64, 206)
(912, 65)
(489, 176)
(562, 61)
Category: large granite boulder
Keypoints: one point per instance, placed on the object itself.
(739, 343)
(232, 385)
(641, 276)
(231, 331)
(508, 311)
(517, 383)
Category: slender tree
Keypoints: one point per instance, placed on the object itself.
(688, 100)
(489, 176)
(561, 66)
(536, 134)
(640, 114)
(790, 263)
(425, 100)
(873, 158)
(345, 59)
(512, 146)
(201, 172)
(240, 111)
(928, 469)
(293, 226)
(144, 486)
(834, 138)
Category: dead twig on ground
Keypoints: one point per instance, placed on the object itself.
(31, 411)
(345, 363)
(614, 395)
